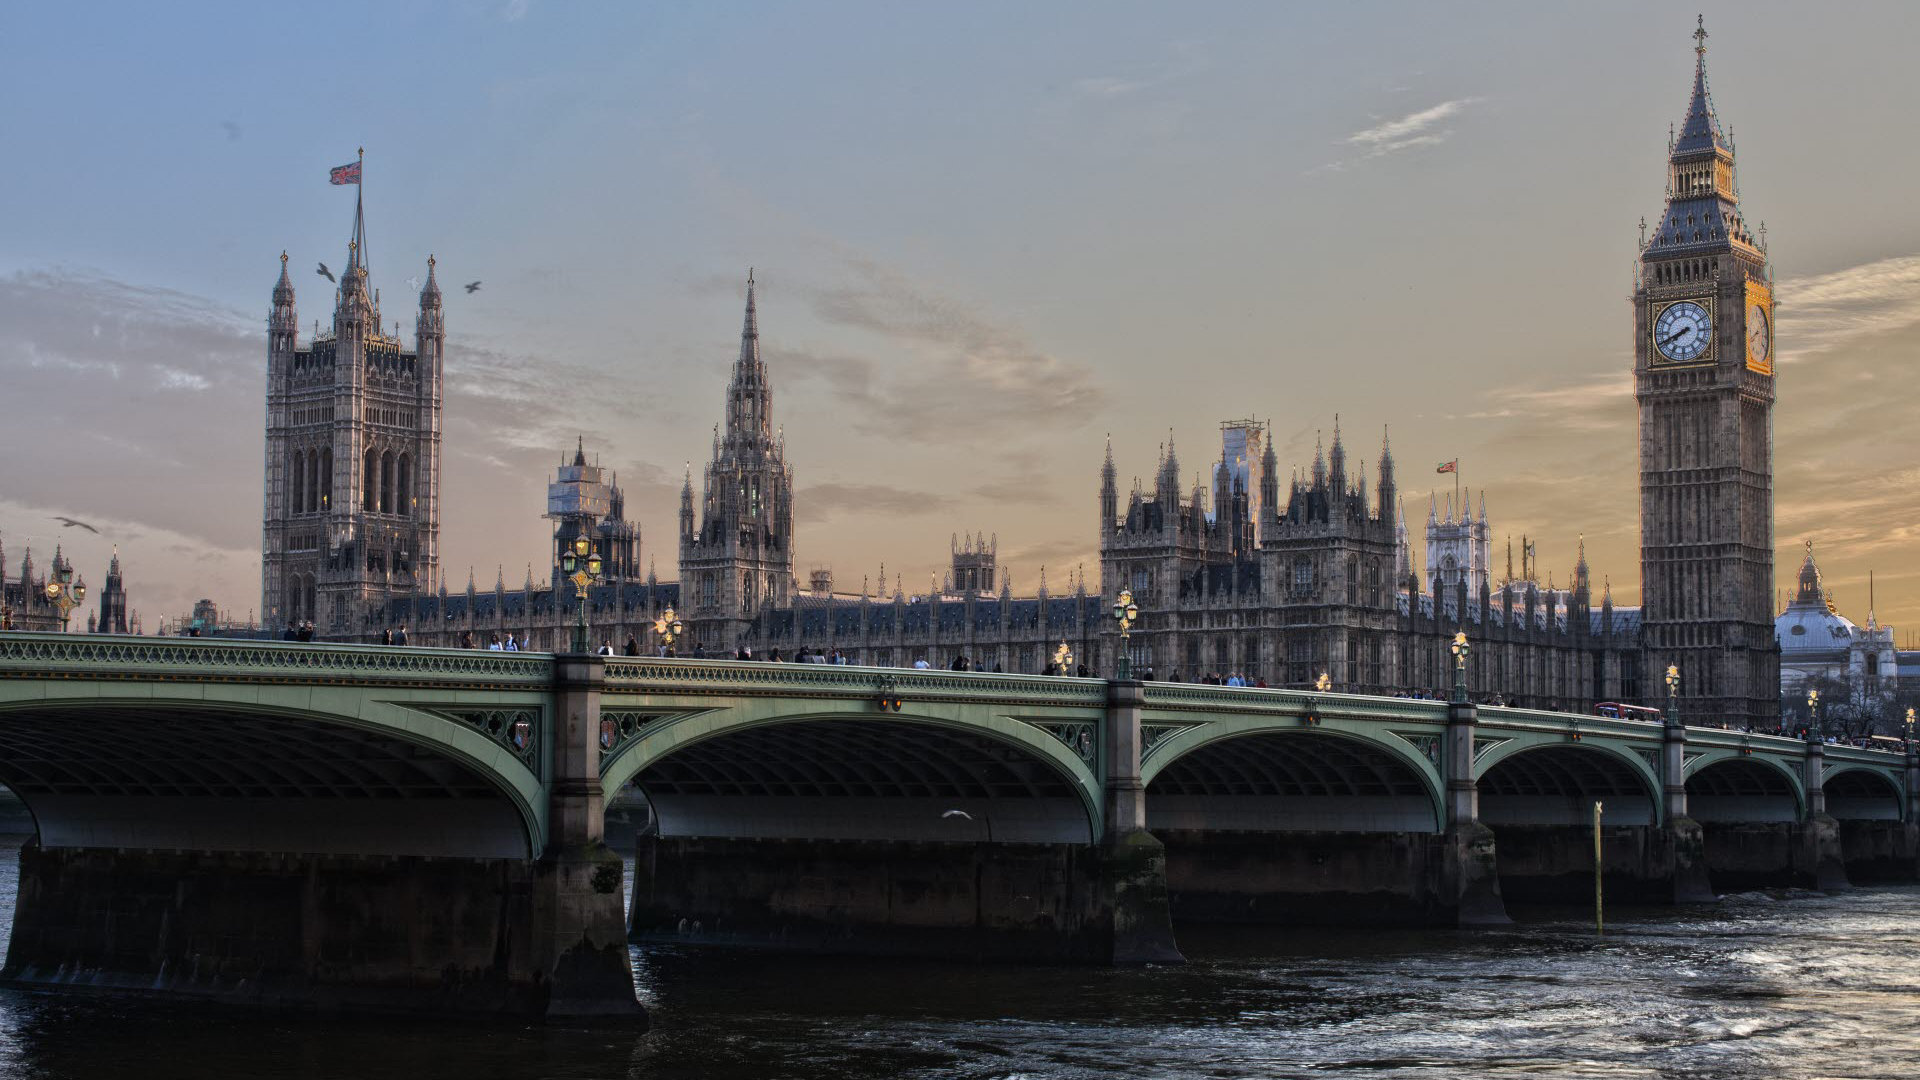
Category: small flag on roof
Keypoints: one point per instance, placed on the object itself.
(1449, 466)
(344, 174)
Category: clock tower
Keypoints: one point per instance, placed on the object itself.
(1703, 378)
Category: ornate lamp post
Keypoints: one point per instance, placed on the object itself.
(1909, 727)
(1813, 715)
(65, 593)
(668, 626)
(1460, 648)
(1673, 695)
(1324, 682)
(581, 564)
(1125, 613)
(1063, 659)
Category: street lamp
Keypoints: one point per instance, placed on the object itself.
(65, 593)
(1324, 682)
(1673, 695)
(1460, 649)
(668, 626)
(581, 564)
(1063, 659)
(1813, 715)
(1909, 726)
(1125, 613)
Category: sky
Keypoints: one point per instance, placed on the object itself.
(986, 236)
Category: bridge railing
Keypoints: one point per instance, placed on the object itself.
(678, 675)
(97, 656)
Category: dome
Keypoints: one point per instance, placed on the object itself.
(1810, 625)
(1811, 628)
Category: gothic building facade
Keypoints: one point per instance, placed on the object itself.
(1316, 588)
(352, 470)
(1309, 582)
(1704, 381)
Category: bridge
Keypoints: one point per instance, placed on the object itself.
(424, 828)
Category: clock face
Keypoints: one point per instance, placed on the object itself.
(1759, 334)
(1683, 331)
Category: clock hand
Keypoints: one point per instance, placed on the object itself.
(1676, 335)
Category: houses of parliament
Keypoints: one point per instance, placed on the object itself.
(1284, 580)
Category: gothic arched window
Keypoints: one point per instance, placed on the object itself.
(386, 482)
(299, 471)
(324, 492)
(370, 483)
(404, 504)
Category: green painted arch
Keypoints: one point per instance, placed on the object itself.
(397, 720)
(1206, 733)
(1893, 780)
(1521, 743)
(665, 738)
(1796, 781)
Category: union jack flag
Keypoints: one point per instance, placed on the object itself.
(1449, 466)
(344, 174)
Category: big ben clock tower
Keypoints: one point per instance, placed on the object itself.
(1703, 378)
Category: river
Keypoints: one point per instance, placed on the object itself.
(1761, 985)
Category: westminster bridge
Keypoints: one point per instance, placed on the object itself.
(424, 828)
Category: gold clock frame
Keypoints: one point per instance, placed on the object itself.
(1759, 294)
(1656, 358)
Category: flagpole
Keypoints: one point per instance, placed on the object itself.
(1456, 489)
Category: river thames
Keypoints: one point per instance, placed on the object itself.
(1760, 985)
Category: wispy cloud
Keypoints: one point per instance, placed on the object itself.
(952, 374)
(1830, 311)
(1425, 127)
(823, 501)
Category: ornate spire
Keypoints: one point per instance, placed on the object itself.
(430, 292)
(1700, 131)
(579, 450)
(283, 289)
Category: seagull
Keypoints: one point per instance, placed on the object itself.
(473, 286)
(957, 813)
(326, 273)
(68, 523)
(414, 283)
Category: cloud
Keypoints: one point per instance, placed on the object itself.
(952, 374)
(821, 502)
(1826, 312)
(1409, 132)
(515, 10)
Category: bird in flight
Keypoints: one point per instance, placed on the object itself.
(68, 523)
(473, 287)
(326, 273)
(957, 813)
(414, 283)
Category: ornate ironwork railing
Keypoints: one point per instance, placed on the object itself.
(814, 680)
(114, 656)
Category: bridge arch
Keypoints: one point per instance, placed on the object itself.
(1278, 775)
(1528, 781)
(733, 773)
(1735, 788)
(1863, 793)
(232, 767)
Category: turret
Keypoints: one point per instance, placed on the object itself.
(1389, 491)
(686, 507)
(1109, 492)
(1337, 463)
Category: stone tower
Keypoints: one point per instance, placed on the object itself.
(113, 599)
(583, 498)
(352, 470)
(1703, 375)
(740, 557)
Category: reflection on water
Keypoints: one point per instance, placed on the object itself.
(1798, 985)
